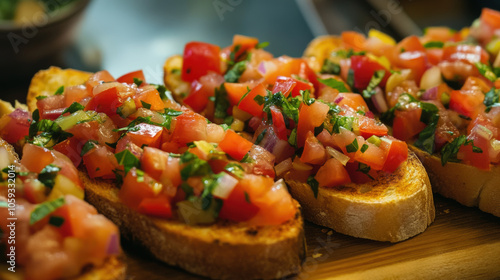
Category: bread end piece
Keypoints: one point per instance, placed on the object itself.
(46, 82)
(224, 250)
(392, 208)
(464, 183)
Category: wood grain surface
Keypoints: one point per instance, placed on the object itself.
(462, 243)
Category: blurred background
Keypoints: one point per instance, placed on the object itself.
(125, 35)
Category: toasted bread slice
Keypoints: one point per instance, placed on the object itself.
(464, 183)
(46, 82)
(112, 269)
(394, 207)
(224, 250)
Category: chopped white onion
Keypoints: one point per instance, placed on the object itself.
(283, 166)
(378, 100)
(484, 132)
(225, 186)
(337, 155)
(299, 165)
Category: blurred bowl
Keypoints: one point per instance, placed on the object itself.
(40, 41)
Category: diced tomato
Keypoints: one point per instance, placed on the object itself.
(364, 68)
(410, 44)
(373, 156)
(279, 123)
(15, 126)
(262, 161)
(98, 78)
(158, 206)
(199, 59)
(189, 127)
(414, 60)
(248, 103)
(439, 33)
(235, 91)
(466, 102)
(396, 153)
(284, 85)
(106, 101)
(481, 159)
(360, 177)
(235, 145)
(243, 43)
(236, 207)
(151, 96)
(100, 162)
(146, 135)
(476, 83)
(353, 40)
(72, 148)
(35, 158)
(353, 100)
(163, 168)
(129, 77)
(314, 152)
(75, 94)
(51, 107)
(135, 190)
(491, 17)
(434, 55)
(466, 53)
(370, 126)
(407, 124)
(201, 90)
(287, 67)
(310, 117)
(332, 174)
(126, 143)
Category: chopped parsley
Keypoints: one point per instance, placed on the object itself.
(233, 74)
(221, 102)
(128, 160)
(51, 132)
(427, 136)
(138, 81)
(89, 145)
(330, 67)
(48, 175)
(364, 148)
(374, 82)
(311, 181)
(450, 150)
(434, 44)
(491, 99)
(306, 97)
(146, 105)
(353, 147)
(335, 84)
(75, 106)
(260, 137)
(56, 221)
(292, 139)
(235, 169)
(43, 210)
(59, 91)
(364, 168)
(262, 45)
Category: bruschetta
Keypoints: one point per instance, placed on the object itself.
(48, 231)
(439, 92)
(186, 189)
(336, 158)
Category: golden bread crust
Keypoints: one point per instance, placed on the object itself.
(464, 183)
(46, 82)
(223, 250)
(392, 208)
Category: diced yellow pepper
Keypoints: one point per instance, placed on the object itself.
(374, 33)
(382, 60)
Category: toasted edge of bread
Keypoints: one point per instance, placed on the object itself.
(223, 250)
(464, 183)
(46, 82)
(113, 267)
(394, 207)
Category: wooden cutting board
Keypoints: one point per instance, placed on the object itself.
(462, 243)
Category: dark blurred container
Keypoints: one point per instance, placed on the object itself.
(27, 48)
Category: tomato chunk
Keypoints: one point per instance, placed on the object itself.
(235, 145)
(129, 77)
(332, 174)
(310, 117)
(248, 103)
(199, 58)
